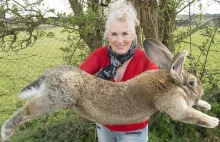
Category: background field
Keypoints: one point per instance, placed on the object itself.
(17, 69)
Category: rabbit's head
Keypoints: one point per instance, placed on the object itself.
(159, 54)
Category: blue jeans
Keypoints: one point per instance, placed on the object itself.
(106, 135)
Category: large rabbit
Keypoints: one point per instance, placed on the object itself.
(169, 90)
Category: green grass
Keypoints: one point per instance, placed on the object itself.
(18, 69)
(68, 129)
(198, 50)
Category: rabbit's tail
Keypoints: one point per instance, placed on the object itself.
(33, 89)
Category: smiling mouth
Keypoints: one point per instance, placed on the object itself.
(120, 46)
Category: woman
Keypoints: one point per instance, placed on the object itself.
(120, 61)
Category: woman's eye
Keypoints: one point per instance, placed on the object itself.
(124, 33)
(113, 34)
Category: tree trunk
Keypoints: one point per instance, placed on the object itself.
(154, 23)
(147, 15)
(92, 39)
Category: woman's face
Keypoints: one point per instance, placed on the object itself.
(120, 37)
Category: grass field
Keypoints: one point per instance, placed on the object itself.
(202, 45)
(18, 69)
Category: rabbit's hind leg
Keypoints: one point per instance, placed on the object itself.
(35, 108)
(30, 111)
(8, 127)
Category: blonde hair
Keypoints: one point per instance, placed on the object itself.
(123, 12)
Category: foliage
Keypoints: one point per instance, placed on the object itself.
(75, 49)
(15, 18)
(18, 17)
(163, 129)
(202, 51)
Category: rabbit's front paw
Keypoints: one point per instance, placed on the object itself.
(202, 105)
(213, 122)
(206, 106)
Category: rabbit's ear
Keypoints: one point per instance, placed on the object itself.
(176, 67)
(158, 53)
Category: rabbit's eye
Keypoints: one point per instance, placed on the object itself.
(191, 83)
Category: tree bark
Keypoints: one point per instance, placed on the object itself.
(147, 15)
(92, 39)
(156, 20)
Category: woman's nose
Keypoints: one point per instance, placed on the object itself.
(120, 39)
